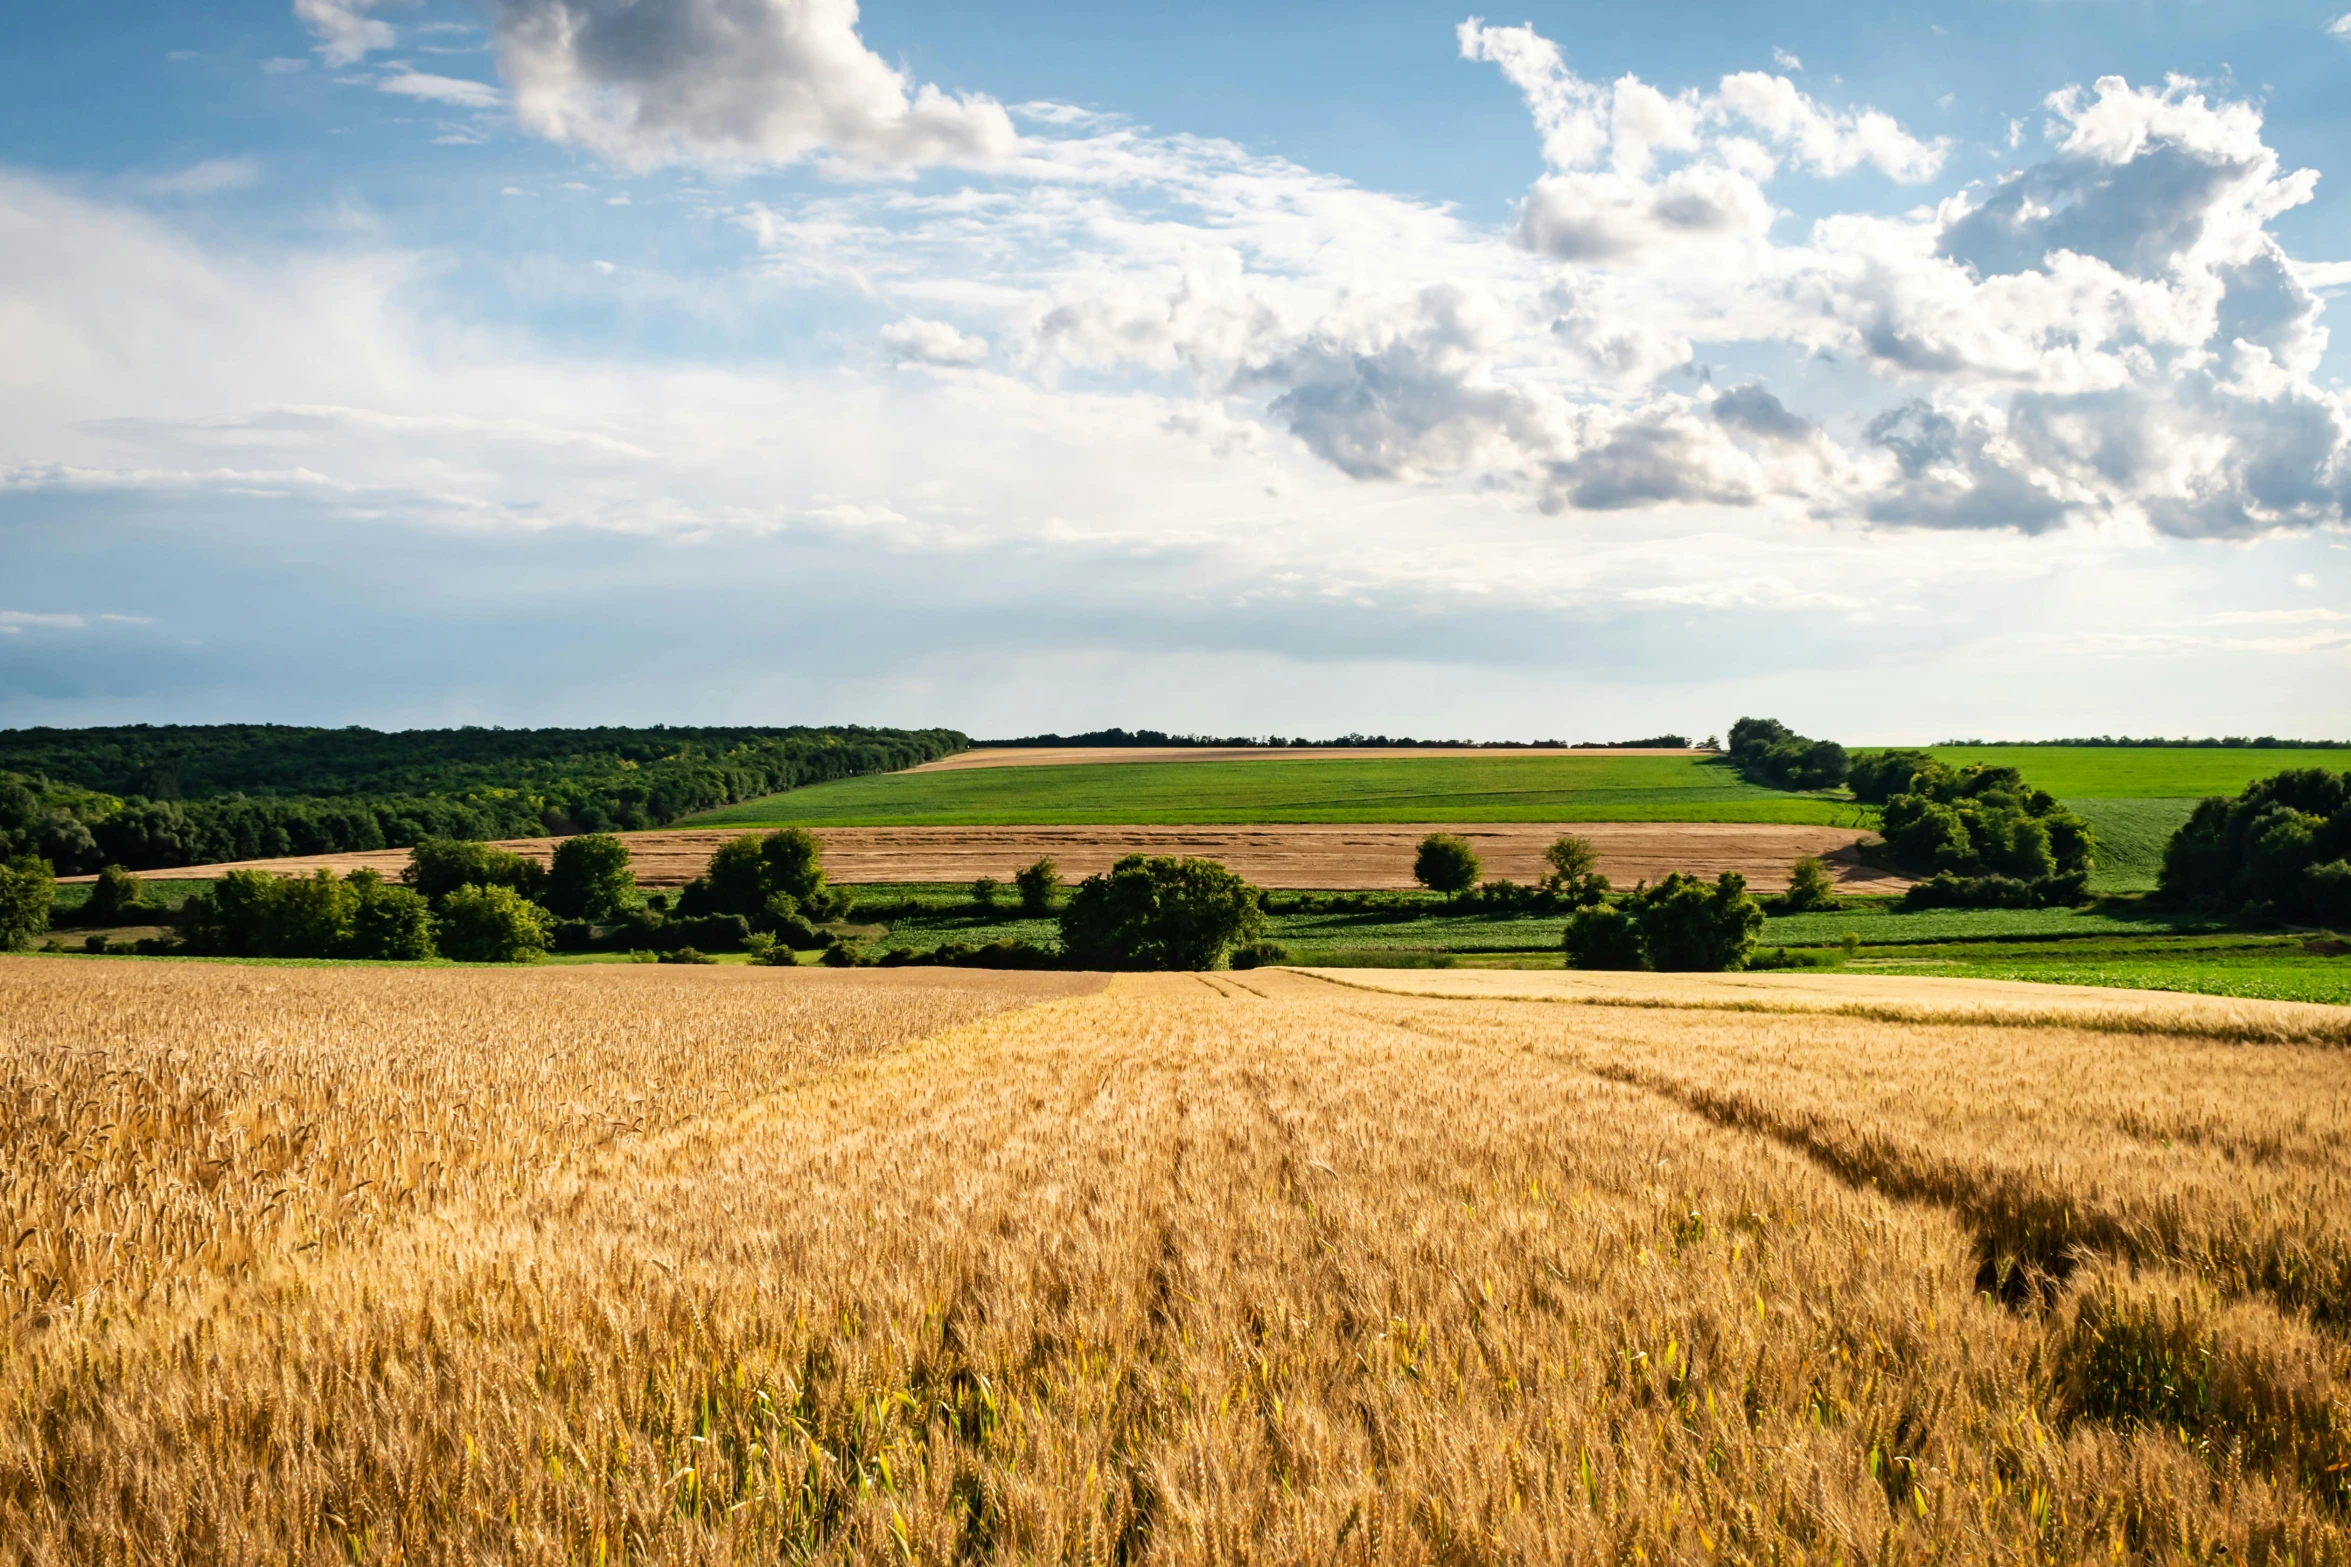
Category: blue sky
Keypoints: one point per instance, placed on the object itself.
(1297, 368)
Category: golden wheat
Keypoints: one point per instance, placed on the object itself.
(1194, 1269)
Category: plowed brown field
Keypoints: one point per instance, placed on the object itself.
(1305, 855)
(759, 1265)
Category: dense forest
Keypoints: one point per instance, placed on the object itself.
(155, 796)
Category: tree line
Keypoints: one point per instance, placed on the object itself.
(157, 797)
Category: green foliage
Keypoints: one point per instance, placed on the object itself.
(1260, 954)
(439, 867)
(493, 924)
(1603, 936)
(1154, 912)
(1001, 954)
(2281, 848)
(1811, 889)
(686, 955)
(156, 797)
(118, 896)
(1878, 776)
(1574, 878)
(252, 914)
(26, 890)
(590, 878)
(1976, 827)
(1405, 788)
(984, 891)
(1445, 863)
(1688, 926)
(1039, 885)
(770, 879)
(1770, 753)
(388, 923)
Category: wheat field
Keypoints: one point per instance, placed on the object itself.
(693, 1265)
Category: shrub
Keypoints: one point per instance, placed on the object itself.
(1574, 878)
(1001, 954)
(1878, 776)
(1445, 863)
(1038, 885)
(1154, 912)
(2283, 842)
(438, 867)
(590, 878)
(1602, 936)
(252, 914)
(493, 925)
(1946, 891)
(27, 891)
(686, 955)
(748, 874)
(843, 954)
(1771, 753)
(984, 890)
(1689, 927)
(1260, 954)
(387, 923)
(1810, 889)
(1975, 822)
(117, 895)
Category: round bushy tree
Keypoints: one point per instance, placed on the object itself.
(1601, 936)
(1150, 912)
(1810, 888)
(494, 925)
(590, 878)
(1689, 927)
(1574, 876)
(1445, 863)
(26, 890)
(388, 923)
(1038, 885)
(117, 896)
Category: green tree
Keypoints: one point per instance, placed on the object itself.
(1039, 884)
(1689, 927)
(1151, 912)
(1810, 888)
(1445, 863)
(388, 923)
(438, 867)
(1601, 936)
(1574, 876)
(984, 891)
(481, 924)
(117, 896)
(27, 888)
(590, 878)
(1878, 776)
(2270, 850)
(748, 875)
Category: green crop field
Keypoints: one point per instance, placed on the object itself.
(1383, 789)
(2089, 772)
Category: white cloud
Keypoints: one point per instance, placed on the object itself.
(2340, 27)
(2304, 579)
(916, 341)
(344, 29)
(1784, 60)
(439, 89)
(14, 621)
(205, 179)
(731, 82)
(283, 66)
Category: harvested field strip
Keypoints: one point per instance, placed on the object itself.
(1308, 855)
(1226, 1268)
(1978, 1003)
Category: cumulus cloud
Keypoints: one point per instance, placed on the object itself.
(1636, 170)
(344, 29)
(649, 82)
(916, 341)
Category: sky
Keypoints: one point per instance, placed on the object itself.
(1906, 372)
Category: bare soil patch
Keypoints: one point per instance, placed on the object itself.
(1302, 855)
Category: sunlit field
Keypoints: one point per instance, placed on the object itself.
(638, 1264)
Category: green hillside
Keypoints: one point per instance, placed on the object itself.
(1403, 788)
(2092, 772)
